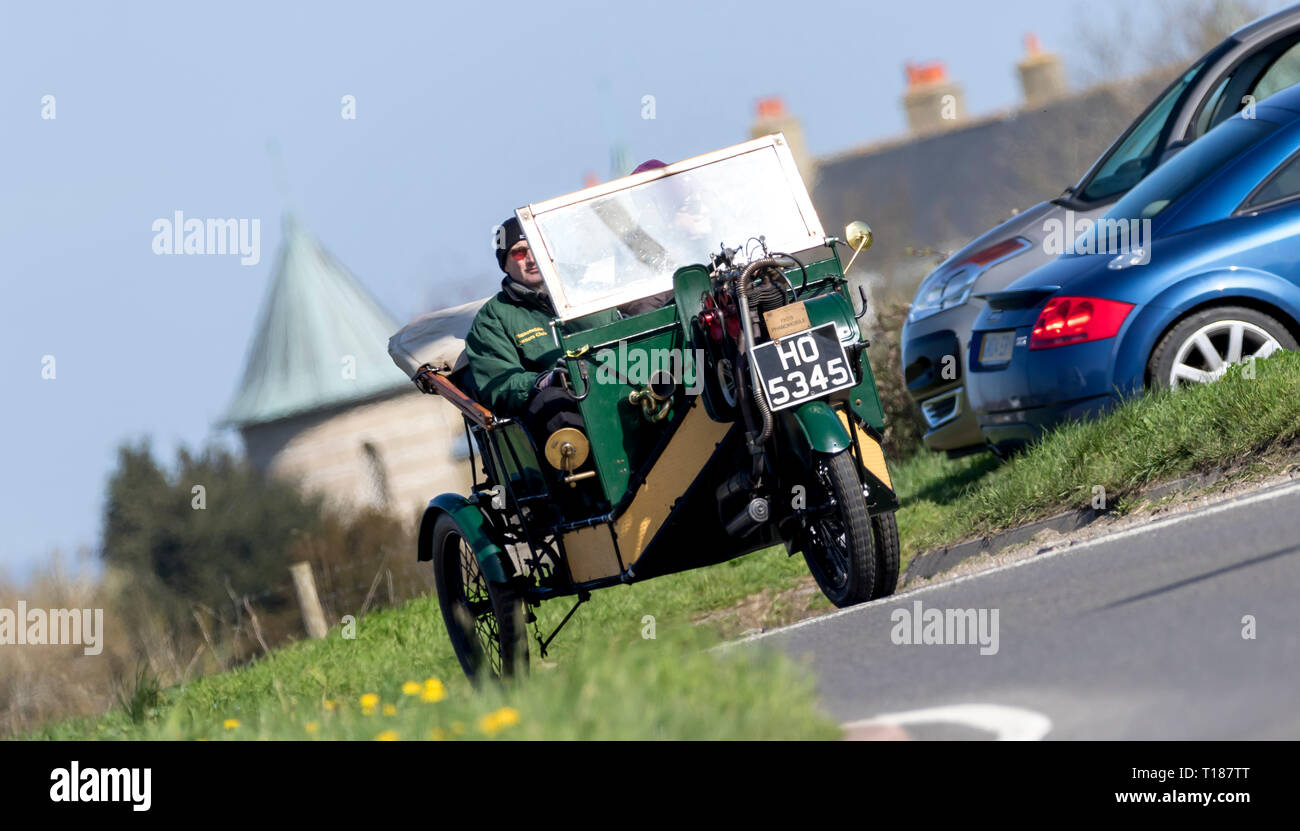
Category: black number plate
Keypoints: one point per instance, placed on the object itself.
(802, 366)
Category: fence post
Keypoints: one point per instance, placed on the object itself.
(313, 617)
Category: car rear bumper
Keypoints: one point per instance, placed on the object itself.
(1012, 429)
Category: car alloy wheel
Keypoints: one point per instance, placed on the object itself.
(1202, 346)
(1209, 351)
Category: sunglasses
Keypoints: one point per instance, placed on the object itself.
(520, 254)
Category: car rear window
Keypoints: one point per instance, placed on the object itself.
(1189, 168)
(1283, 184)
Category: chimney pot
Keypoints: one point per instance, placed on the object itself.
(771, 107)
(1042, 75)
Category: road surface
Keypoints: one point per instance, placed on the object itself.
(1143, 634)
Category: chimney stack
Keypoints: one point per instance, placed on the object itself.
(932, 102)
(1042, 75)
(773, 118)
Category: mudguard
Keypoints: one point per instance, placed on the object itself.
(814, 427)
(491, 558)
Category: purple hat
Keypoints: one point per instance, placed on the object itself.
(649, 165)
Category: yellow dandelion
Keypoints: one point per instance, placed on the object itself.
(497, 720)
(387, 736)
(458, 728)
(433, 690)
(390, 710)
(230, 723)
(438, 734)
(370, 700)
(507, 716)
(331, 704)
(311, 727)
(411, 688)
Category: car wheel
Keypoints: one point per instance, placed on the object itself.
(1202, 347)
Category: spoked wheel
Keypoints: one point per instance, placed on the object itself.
(485, 620)
(839, 543)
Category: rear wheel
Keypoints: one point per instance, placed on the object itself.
(839, 543)
(885, 532)
(485, 620)
(1202, 347)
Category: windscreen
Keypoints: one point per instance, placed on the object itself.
(625, 245)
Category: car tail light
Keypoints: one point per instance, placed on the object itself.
(1067, 320)
(997, 251)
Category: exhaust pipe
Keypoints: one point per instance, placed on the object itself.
(754, 515)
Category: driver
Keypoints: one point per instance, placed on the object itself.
(512, 356)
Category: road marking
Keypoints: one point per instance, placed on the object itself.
(1150, 527)
(1007, 724)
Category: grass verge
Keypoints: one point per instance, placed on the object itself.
(1151, 439)
(603, 679)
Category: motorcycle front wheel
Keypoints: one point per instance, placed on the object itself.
(839, 543)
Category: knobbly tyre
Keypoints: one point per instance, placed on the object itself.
(766, 430)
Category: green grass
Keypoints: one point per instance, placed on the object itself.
(1154, 438)
(666, 688)
(605, 680)
(602, 679)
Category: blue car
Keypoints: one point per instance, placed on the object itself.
(1196, 268)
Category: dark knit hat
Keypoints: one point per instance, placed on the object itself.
(506, 238)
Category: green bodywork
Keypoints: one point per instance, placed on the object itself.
(622, 439)
(864, 399)
(473, 527)
(821, 430)
(518, 461)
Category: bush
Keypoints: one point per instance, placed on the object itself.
(903, 425)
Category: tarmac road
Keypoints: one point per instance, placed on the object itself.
(1136, 635)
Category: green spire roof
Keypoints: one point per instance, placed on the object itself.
(321, 339)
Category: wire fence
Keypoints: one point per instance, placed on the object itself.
(253, 623)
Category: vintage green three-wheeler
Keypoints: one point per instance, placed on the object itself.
(730, 409)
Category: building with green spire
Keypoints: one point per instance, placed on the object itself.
(321, 403)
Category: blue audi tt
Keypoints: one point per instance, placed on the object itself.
(1196, 268)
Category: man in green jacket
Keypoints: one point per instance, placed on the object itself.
(511, 353)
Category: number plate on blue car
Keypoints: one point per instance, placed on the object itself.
(802, 366)
(997, 347)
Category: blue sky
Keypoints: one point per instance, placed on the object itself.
(462, 115)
